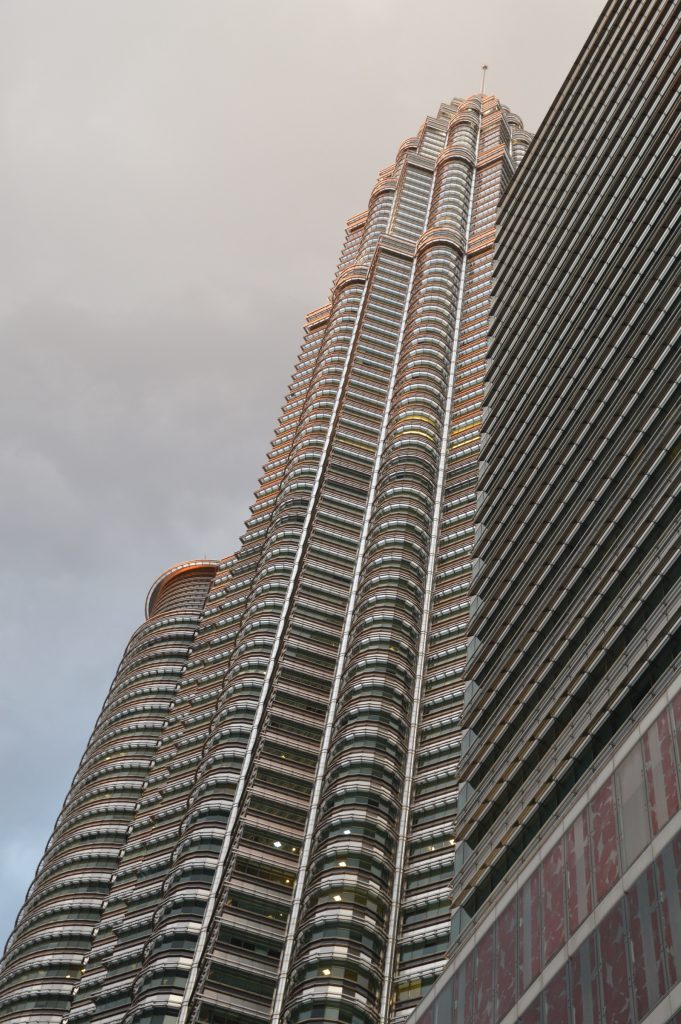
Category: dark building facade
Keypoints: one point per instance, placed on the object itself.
(567, 873)
(289, 856)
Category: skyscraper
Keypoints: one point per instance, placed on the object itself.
(44, 956)
(567, 882)
(288, 855)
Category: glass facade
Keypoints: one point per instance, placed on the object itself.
(589, 931)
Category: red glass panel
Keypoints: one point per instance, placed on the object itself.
(660, 768)
(466, 1000)
(458, 996)
(668, 873)
(675, 717)
(553, 900)
(646, 944)
(556, 998)
(506, 958)
(533, 1014)
(529, 931)
(604, 839)
(484, 979)
(634, 817)
(584, 983)
(614, 976)
(579, 874)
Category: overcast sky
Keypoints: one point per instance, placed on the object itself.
(174, 180)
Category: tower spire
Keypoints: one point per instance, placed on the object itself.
(483, 68)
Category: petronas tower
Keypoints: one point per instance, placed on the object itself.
(261, 828)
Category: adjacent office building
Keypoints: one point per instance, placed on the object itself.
(283, 848)
(567, 881)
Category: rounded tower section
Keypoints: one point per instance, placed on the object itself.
(45, 955)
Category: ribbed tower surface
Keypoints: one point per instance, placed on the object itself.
(289, 858)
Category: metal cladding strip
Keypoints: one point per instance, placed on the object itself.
(333, 700)
(201, 684)
(258, 583)
(346, 474)
(283, 621)
(423, 637)
(265, 509)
